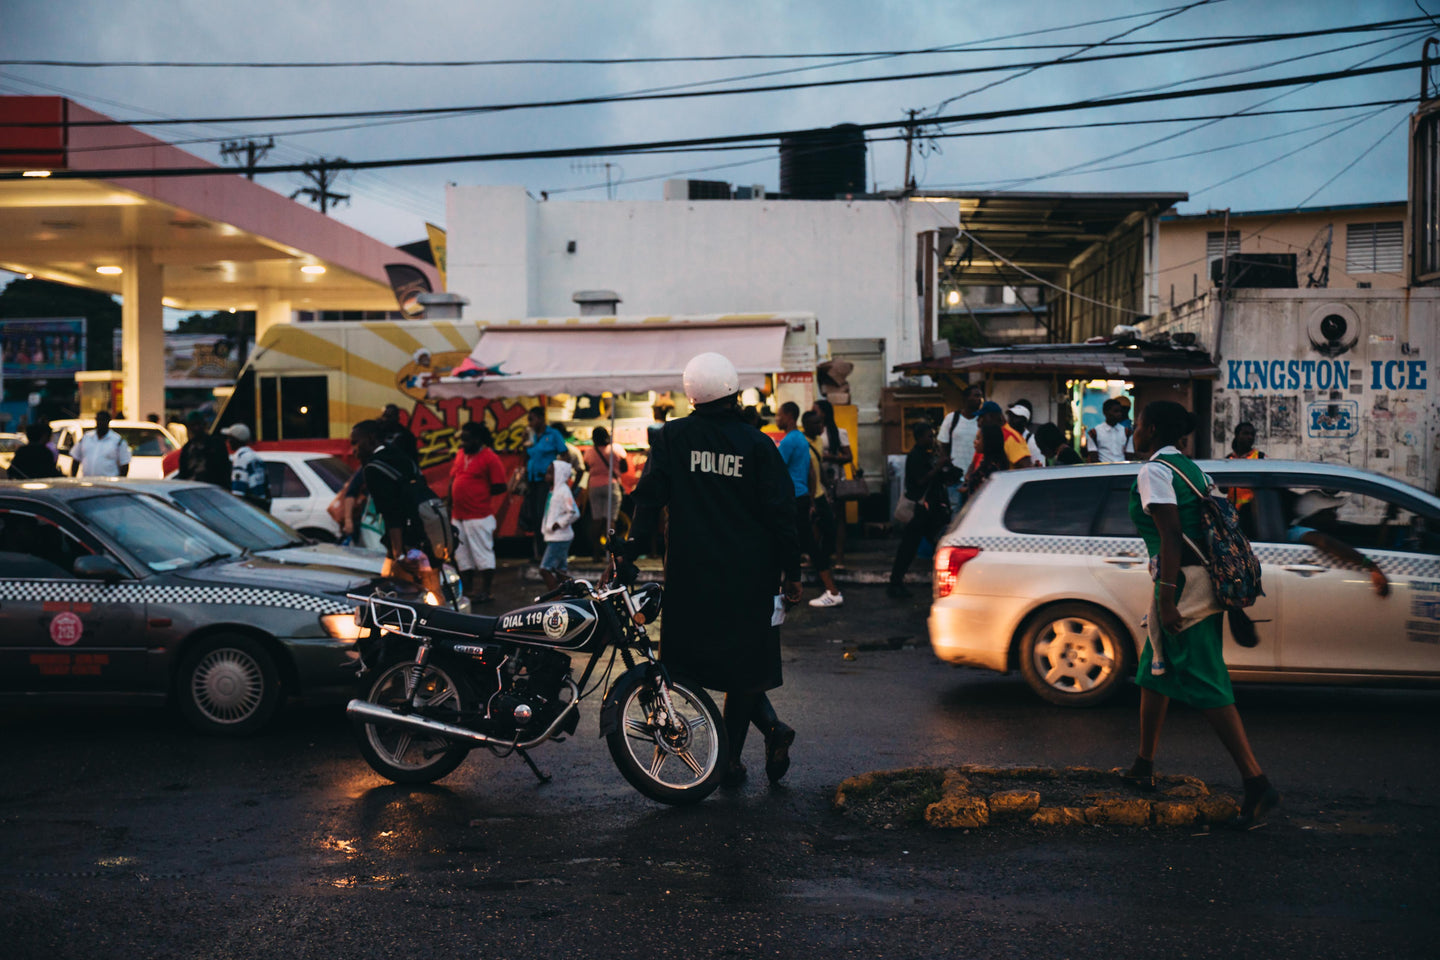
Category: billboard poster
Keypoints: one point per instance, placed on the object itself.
(45, 347)
(199, 361)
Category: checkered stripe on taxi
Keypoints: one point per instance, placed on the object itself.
(1393, 563)
(78, 592)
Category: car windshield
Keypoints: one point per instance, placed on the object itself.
(332, 470)
(10, 442)
(236, 520)
(155, 533)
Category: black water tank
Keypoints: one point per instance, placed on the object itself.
(823, 164)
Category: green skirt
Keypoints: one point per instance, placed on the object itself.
(1195, 670)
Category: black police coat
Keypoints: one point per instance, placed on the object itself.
(731, 536)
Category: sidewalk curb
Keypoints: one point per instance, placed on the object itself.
(1182, 801)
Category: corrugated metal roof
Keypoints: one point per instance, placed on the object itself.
(1113, 360)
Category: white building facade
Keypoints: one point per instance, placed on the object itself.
(850, 262)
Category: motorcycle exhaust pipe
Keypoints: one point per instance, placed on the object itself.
(375, 713)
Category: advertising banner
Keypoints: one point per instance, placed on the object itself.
(43, 347)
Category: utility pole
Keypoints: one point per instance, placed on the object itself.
(909, 181)
(323, 174)
(1224, 283)
(253, 150)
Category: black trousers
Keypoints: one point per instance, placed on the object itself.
(927, 522)
(813, 542)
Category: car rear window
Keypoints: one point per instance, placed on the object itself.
(332, 470)
(1057, 508)
(1114, 519)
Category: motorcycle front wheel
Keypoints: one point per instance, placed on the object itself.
(672, 762)
(405, 755)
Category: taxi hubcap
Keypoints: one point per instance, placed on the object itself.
(227, 685)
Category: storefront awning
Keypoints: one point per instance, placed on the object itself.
(618, 356)
(1104, 361)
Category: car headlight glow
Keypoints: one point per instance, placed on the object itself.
(341, 626)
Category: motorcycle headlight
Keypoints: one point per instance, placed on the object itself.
(647, 602)
(342, 626)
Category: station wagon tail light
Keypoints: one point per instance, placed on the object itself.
(948, 561)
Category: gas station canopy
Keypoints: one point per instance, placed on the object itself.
(191, 243)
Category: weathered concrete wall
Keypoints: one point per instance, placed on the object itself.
(1340, 376)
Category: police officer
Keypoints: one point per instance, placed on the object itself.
(731, 538)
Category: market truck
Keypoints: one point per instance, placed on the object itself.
(306, 384)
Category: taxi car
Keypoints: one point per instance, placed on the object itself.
(265, 536)
(108, 593)
(1044, 572)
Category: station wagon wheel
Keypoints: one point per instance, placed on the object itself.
(228, 685)
(1075, 655)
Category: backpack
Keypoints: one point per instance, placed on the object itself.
(1233, 567)
(433, 514)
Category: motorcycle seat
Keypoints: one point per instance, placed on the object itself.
(452, 623)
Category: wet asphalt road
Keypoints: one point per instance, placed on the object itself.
(123, 835)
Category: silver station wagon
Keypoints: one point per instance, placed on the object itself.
(1044, 572)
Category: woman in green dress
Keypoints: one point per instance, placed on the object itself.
(1189, 666)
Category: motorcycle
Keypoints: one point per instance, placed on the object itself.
(447, 683)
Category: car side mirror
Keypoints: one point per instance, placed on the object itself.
(96, 567)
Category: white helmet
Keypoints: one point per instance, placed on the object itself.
(1314, 501)
(710, 376)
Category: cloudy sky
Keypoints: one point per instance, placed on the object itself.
(1275, 161)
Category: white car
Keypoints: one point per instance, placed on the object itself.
(1044, 572)
(302, 485)
(149, 443)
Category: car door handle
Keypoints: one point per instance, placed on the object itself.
(1305, 569)
(1124, 561)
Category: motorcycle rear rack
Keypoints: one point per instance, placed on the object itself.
(389, 616)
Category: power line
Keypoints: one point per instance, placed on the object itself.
(1086, 166)
(1027, 69)
(658, 145)
(614, 98)
(967, 47)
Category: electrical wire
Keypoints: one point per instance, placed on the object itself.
(1245, 111)
(673, 94)
(966, 47)
(653, 146)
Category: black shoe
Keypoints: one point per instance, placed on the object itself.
(734, 775)
(1253, 814)
(897, 591)
(777, 752)
(1140, 778)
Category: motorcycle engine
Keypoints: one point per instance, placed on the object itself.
(531, 699)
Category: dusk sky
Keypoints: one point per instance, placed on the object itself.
(393, 205)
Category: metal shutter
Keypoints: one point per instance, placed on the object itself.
(1215, 245)
(1375, 247)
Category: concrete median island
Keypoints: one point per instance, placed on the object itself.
(977, 796)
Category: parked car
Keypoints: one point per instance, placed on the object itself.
(149, 443)
(256, 531)
(1044, 572)
(111, 593)
(302, 485)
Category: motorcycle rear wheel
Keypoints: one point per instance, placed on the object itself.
(415, 756)
(671, 766)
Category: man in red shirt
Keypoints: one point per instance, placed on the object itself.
(477, 482)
